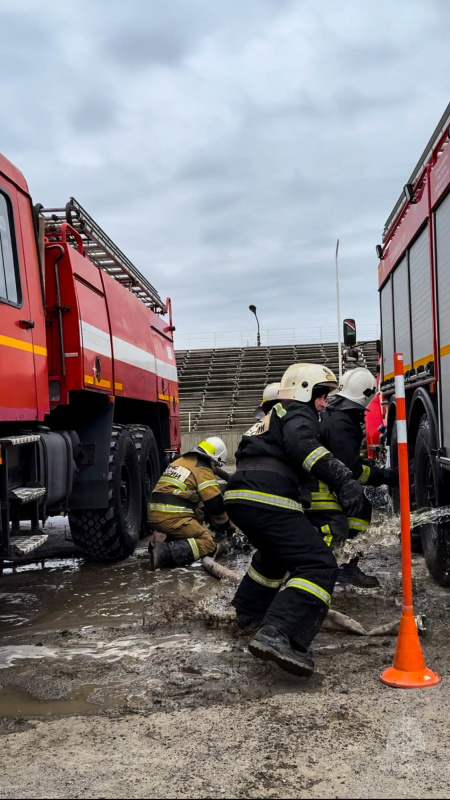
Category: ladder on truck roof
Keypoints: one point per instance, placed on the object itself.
(102, 251)
(441, 128)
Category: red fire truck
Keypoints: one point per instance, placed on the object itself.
(88, 382)
(414, 284)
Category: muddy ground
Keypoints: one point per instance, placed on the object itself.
(119, 682)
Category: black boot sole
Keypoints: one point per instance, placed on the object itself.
(268, 653)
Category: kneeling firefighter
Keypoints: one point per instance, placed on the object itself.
(340, 431)
(174, 507)
(262, 499)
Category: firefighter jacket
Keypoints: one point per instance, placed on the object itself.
(279, 454)
(184, 484)
(340, 431)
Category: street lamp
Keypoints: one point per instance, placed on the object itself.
(258, 337)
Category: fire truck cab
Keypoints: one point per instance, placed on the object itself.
(88, 381)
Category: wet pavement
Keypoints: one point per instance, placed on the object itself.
(78, 637)
(119, 682)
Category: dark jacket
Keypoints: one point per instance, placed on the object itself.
(285, 449)
(340, 431)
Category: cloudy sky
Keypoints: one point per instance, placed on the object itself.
(226, 144)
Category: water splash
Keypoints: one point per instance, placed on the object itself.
(424, 516)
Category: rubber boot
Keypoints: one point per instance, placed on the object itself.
(177, 553)
(271, 644)
(160, 555)
(351, 575)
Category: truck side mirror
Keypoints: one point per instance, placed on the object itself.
(349, 332)
(378, 346)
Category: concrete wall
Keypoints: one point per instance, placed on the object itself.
(231, 440)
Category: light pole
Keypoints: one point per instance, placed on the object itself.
(258, 337)
(338, 309)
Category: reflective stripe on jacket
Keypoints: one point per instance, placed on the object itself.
(191, 479)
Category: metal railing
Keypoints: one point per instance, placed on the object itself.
(270, 337)
(226, 412)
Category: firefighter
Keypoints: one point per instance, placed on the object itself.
(270, 397)
(174, 507)
(340, 431)
(262, 499)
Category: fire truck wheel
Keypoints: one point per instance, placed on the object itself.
(435, 536)
(147, 450)
(111, 534)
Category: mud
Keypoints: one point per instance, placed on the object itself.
(116, 681)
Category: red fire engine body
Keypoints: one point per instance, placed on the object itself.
(414, 284)
(88, 380)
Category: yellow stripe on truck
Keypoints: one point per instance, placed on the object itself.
(18, 344)
(94, 382)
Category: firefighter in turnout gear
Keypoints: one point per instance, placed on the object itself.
(340, 431)
(262, 499)
(270, 397)
(174, 507)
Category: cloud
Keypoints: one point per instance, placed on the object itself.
(226, 146)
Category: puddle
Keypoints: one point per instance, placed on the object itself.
(74, 595)
(16, 701)
(137, 647)
(20, 703)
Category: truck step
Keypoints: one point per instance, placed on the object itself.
(26, 494)
(21, 545)
(22, 439)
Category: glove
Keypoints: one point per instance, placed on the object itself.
(390, 478)
(351, 497)
(339, 528)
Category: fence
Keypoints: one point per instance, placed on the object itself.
(227, 412)
(270, 337)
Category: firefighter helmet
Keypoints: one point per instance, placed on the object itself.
(270, 396)
(358, 386)
(299, 380)
(214, 448)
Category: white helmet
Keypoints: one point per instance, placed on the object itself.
(271, 392)
(358, 386)
(299, 380)
(270, 395)
(214, 448)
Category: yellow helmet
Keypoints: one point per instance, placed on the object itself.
(214, 448)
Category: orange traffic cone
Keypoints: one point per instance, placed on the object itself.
(409, 670)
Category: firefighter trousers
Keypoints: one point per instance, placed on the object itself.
(290, 553)
(178, 526)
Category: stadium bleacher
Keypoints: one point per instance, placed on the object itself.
(220, 388)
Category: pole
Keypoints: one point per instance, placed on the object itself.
(189, 423)
(405, 517)
(338, 306)
(409, 670)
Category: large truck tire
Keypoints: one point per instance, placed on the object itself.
(149, 467)
(435, 536)
(112, 533)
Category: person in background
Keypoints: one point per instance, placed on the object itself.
(341, 432)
